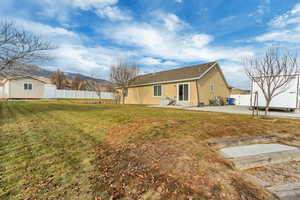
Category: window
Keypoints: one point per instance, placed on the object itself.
(27, 86)
(212, 88)
(157, 90)
(183, 92)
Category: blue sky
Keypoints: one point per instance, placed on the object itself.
(157, 34)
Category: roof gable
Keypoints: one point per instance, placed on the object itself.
(223, 76)
(185, 73)
(23, 77)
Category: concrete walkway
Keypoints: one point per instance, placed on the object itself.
(237, 110)
(254, 149)
(262, 155)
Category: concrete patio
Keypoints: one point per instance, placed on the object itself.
(236, 110)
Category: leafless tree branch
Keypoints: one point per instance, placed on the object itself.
(272, 72)
(123, 73)
(20, 46)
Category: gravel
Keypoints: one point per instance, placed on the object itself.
(278, 174)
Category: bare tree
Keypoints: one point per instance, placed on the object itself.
(20, 46)
(122, 74)
(77, 83)
(58, 78)
(272, 72)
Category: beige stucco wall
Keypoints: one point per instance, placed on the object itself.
(144, 94)
(16, 89)
(213, 77)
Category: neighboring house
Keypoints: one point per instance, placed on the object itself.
(236, 91)
(192, 86)
(32, 87)
(22, 87)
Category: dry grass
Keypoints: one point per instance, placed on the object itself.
(70, 150)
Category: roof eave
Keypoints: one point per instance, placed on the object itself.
(179, 80)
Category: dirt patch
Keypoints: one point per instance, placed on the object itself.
(165, 169)
(248, 190)
(278, 174)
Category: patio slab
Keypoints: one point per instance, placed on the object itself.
(255, 149)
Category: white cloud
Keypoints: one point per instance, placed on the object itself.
(44, 30)
(90, 4)
(159, 45)
(169, 45)
(83, 59)
(72, 53)
(149, 61)
(113, 13)
(290, 17)
(62, 9)
(280, 36)
(262, 9)
(235, 75)
(103, 8)
(172, 22)
(284, 28)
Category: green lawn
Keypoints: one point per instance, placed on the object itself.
(69, 150)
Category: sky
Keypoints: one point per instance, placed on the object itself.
(91, 35)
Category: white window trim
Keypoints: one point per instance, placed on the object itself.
(189, 90)
(161, 94)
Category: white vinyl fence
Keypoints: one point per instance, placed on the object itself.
(2, 92)
(52, 93)
(242, 99)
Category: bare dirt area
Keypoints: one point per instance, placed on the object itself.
(278, 174)
(164, 169)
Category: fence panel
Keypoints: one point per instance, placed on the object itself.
(2, 92)
(52, 92)
(242, 99)
(107, 95)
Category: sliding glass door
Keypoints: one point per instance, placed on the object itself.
(183, 92)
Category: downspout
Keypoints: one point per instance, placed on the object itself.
(198, 95)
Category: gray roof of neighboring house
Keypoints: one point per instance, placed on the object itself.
(13, 76)
(185, 73)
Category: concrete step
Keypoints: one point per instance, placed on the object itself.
(236, 141)
(286, 192)
(264, 159)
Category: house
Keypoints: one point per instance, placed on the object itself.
(237, 91)
(16, 86)
(192, 86)
(22, 87)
